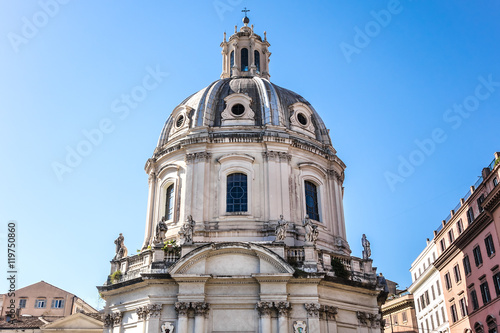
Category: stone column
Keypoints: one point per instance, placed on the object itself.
(200, 312)
(152, 323)
(283, 311)
(182, 316)
(141, 316)
(312, 317)
(327, 313)
(264, 309)
(150, 210)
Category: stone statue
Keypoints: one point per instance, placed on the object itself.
(121, 249)
(187, 230)
(311, 230)
(161, 230)
(281, 229)
(367, 252)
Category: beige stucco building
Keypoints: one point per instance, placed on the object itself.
(399, 314)
(245, 228)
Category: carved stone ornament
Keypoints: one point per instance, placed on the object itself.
(283, 308)
(328, 312)
(167, 327)
(117, 318)
(264, 308)
(299, 326)
(312, 309)
(200, 308)
(182, 308)
(154, 310)
(362, 317)
(108, 321)
(375, 319)
(198, 157)
(141, 312)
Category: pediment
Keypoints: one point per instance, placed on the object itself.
(75, 321)
(231, 259)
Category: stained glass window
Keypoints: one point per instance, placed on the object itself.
(312, 201)
(237, 193)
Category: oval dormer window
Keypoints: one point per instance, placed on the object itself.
(237, 109)
(180, 121)
(302, 119)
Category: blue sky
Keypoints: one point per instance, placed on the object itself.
(388, 77)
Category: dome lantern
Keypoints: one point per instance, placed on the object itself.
(245, 54)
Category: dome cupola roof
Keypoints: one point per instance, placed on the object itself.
(244, 99)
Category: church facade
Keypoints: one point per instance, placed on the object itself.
(245, 228)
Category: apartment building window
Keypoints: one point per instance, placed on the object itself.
(433, 293)
(437, 318)
(427, 300)
(480, 201)
(418, 305)
(422, 327)
(57, 304)
(414, 276)
(438, 288)
(463, 307)
(443, 245)
(22, 303)
(473, 297)
(478, 258)
(395, 319)
(447, 280)
(434, 256)
(490, 248)
(422, 301)
(427, 324)
(478, 328)
(485, 292)
(466, 263)
(451, 236)
(404, 317)
(429, 261)
(454, 315)
(470, 215)
(443, 314)
(40, 303)
(492, 324)
(432, 321)
(495, 182)
(456, 272)
(496, 283)
(460, 227)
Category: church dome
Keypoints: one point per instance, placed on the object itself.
(243, 104)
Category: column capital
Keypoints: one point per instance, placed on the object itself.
(117, 318)
(312, 309)
(182, 308)
(108, 321)
(283, 308)
(264, 308)
(154, 310)
(328, 312)
(200, 308)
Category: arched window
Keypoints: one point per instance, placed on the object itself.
(312, 200)
(169, 203)
(256, 57)
(237, 196)
(244, 60)
(232, 62)
(478, 328)
(492, 324)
